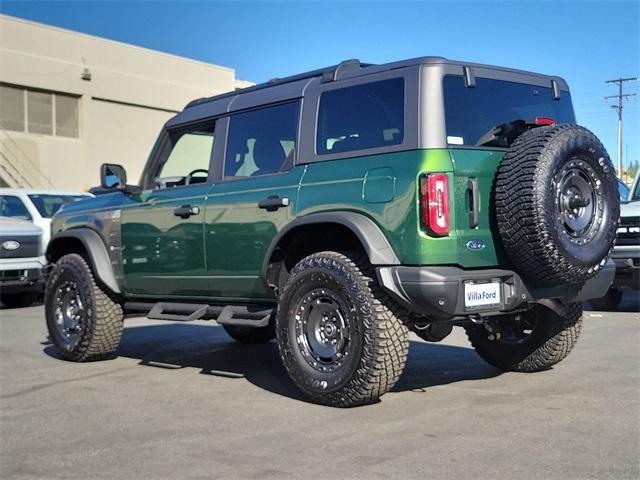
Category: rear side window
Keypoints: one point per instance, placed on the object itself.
(261, 142)
(361, 117)
(472, 113)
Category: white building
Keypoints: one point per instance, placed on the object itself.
(70, 102)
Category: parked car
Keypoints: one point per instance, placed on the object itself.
(21, 262)
(36, 206)
(626, 252)
(338, 209)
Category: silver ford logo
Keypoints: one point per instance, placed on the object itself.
(475, 244)
(10, 245)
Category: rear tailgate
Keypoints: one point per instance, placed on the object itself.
(474, 171)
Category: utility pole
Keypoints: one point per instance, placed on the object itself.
(620, 96)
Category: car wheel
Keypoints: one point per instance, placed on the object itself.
(340, 339)
(84, 323)
(245, 334)
(556, 204)
(530, 341)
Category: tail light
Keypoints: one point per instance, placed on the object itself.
(434, 203)
(544, 121)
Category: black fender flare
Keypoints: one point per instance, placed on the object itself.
(96, 254)
(375, 243)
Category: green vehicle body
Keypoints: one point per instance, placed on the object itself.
(225, 252)
(384, 188)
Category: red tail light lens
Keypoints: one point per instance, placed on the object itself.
(544, 121)
(434, 203)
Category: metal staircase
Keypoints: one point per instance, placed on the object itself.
(17, 170)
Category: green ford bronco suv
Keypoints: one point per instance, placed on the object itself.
(337, 210)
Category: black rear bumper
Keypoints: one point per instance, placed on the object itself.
(439, 291)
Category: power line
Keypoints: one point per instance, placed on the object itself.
(621, 97)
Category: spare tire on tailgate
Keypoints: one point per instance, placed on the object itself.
(556, 204)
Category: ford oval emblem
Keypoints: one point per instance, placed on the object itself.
(475, 244)
(10, 245)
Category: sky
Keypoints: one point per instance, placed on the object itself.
(585, 42)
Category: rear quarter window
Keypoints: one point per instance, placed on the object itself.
(360, 117)
(472, 112)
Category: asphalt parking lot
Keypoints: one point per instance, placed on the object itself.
(185, 401)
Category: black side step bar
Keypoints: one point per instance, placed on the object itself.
(256, 316)
(178, 312)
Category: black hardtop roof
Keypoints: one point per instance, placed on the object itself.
(354, 68)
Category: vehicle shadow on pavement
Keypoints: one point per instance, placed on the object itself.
(210, 349)
(630, 303)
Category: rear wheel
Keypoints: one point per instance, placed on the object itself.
(83, 322)
(610, 301)
(243, 334)
(19, 300)
(528, 342)
(341, 341)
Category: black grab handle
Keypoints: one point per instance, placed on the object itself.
(474, 213)
(185, 211)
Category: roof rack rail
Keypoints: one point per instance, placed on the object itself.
(327, 74)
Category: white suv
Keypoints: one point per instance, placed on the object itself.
(21, 262)
(25, 229)
(36, 206)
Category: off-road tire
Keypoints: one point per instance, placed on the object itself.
(377, 351)
(101, 326)
(243, 334)
(532, 211)
(610, 301)
(19, 300)
(550, 342)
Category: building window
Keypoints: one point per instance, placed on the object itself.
(41, 112)
(12, 111)
(66, 116)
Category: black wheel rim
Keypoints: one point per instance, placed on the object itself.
(69, 312)
(323, 330)
(579, 201)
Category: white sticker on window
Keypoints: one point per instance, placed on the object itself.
(451, 140)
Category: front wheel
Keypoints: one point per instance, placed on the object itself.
(341, 341)
(247, 334)
(528, 342)
(83, 322)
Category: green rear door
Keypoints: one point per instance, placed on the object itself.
(473, 180)
(258, 172)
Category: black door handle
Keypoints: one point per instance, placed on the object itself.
(273, 203)
(185, 211)
(474, 207)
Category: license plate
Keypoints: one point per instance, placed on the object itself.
(481, 294)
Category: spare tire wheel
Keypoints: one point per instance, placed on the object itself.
(556, 204)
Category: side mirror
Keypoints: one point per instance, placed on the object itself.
(113, 176)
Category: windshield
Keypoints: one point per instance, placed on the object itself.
(472, 112)
(49, 204)
(12, 207)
